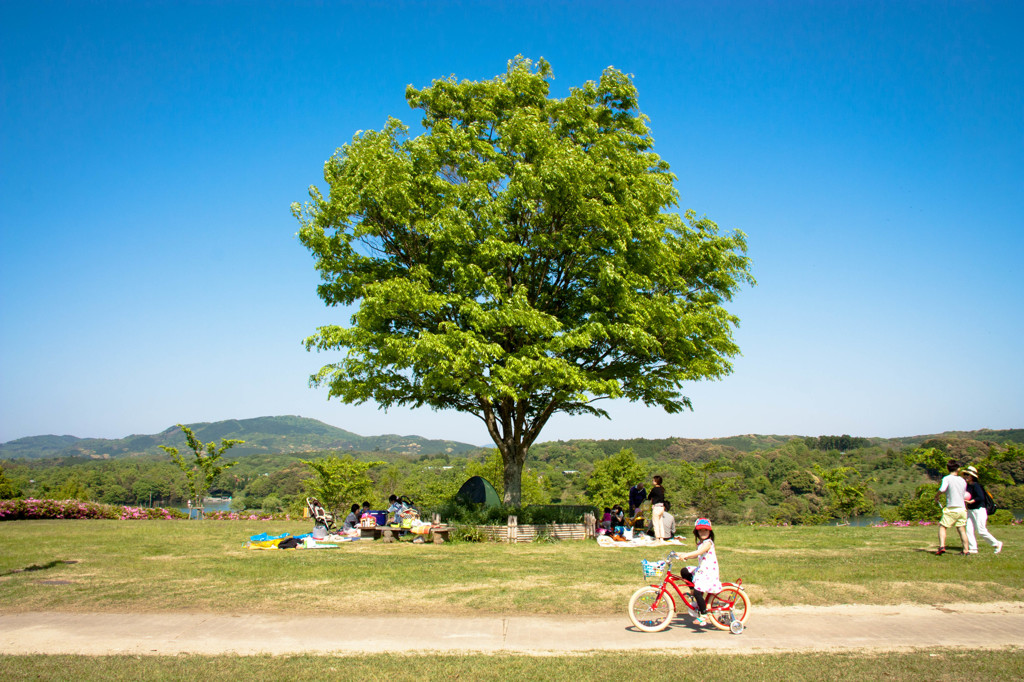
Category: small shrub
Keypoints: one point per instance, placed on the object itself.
(466, 533)
(1002, 517)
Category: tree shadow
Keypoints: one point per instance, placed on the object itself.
(40, 567)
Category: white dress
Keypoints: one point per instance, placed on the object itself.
(705, 578)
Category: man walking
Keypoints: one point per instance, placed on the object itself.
(954, 514)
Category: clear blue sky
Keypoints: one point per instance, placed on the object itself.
(872, 151)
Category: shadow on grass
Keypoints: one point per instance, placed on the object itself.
(39, 567)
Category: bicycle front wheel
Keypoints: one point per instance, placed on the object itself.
(648, 612)
(728, 605)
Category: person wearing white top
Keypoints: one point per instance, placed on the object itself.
(954, 514)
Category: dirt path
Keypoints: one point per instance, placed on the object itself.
(987, 626)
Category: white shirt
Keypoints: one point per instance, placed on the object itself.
(954, 487)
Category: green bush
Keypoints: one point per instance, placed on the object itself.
(920, 506)
(1002, 517)
(464, 533)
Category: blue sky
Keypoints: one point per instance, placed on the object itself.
(873, 152)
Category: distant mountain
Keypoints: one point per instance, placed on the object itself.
(270, 435)
(290, 435)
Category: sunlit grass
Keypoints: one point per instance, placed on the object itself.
(940, 664)
(203, 566)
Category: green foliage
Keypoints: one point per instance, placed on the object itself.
(205, 466)
(801, 482)
(847, 492)
(8, 489)
(717, 484)
(840, 443)
(466, 533)
(918, 507)
(764, 496)
(1002, 517)
(338, 481)
(932, 459)
(519, 259)
(612, 477)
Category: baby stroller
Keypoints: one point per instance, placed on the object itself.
(321, 517)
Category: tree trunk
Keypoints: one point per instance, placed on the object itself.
(513, 478)
(508, 427)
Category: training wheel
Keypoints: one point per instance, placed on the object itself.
(736, 627)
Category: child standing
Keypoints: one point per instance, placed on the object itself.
(704, 575)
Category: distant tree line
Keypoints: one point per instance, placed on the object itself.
(787, 483)
(840, 443)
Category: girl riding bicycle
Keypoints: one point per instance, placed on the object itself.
(704, 575)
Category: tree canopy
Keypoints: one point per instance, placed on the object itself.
(518, 259)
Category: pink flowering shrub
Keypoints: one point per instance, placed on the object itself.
(15, 510)
(245, 516)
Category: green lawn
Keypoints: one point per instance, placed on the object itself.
(178, 565)
(938, 664)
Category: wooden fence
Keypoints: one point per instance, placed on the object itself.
(516, 532)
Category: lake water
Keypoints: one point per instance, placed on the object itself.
(212, 505)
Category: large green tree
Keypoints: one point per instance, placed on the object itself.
(520, 258)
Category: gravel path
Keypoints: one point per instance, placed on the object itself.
(989, 626)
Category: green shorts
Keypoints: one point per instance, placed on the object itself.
(954, 516)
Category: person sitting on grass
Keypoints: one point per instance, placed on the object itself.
(396, 507)
(954, 514)
(618, 518)
(606, 519)
(668, 522)
(352, 520)
(704, 575)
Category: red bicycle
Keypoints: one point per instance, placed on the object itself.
(652, 608)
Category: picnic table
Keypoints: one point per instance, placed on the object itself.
(437, 534)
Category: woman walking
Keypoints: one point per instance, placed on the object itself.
(977, 514)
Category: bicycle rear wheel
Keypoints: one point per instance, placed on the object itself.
(728, 605)
(649, 613)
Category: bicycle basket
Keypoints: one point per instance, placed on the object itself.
(653, 569)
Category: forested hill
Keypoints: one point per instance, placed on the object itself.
(296, 435)
(271, 435)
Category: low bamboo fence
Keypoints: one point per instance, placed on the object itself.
(515, 532)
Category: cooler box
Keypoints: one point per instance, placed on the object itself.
(380, 516)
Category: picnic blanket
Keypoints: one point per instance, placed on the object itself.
(639, 541)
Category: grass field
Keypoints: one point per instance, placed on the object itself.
(941, 664)
(202, 566)
(155, 566)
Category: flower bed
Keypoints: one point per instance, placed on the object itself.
(16, 510)
(244, 516)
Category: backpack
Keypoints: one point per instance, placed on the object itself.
(990, 504)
